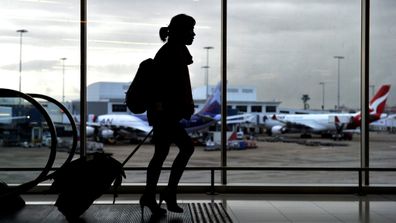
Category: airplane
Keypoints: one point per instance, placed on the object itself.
(112, 127)
(387, 123)
(326, 124)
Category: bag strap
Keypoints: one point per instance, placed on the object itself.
(136, 149)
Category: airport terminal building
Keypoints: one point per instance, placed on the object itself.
(108, 97)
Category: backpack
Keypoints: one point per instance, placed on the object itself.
(138, 96)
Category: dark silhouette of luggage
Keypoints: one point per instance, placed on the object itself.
(138, 96)
(82, 181)
(11, 202)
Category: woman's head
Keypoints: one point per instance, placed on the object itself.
(180, 29)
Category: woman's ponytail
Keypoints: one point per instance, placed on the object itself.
(164, 33)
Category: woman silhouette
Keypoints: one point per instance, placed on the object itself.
(172, 101)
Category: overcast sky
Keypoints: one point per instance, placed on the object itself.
(284, 48)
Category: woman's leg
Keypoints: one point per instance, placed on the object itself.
(186, 149)
(162, 145)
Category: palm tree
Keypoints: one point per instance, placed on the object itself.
(305, 98)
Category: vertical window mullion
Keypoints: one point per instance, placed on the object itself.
(364, 86)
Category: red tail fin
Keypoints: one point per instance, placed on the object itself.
(377, 103)
(376, 106)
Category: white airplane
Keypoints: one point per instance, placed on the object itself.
(111, 127)
(6, 115)
(335, 124)
(384, 123)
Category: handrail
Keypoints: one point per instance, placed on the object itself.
(212, 188)
(234, 168)
(44, 171)
(71, 120)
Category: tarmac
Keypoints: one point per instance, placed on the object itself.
(284, 151)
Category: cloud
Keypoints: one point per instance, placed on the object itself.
(35, 65)
(283, 47)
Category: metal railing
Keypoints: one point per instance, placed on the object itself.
(358, 188)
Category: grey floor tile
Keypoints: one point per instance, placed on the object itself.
(255, 211)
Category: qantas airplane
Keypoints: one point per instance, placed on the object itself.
(111, 127)
(326, 124)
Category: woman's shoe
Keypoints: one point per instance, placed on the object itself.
(170, 199)
(151, 203)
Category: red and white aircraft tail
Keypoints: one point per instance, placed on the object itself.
(376, 106)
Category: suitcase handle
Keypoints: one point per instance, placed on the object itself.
(136, 149)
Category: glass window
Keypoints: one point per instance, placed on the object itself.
(382, 92)
(121, 34)
(257, 108)
(285, 49)
(232, 90)
(119, 108)
(248, 91)
(270, 109)
(40, 54)
(241, 108)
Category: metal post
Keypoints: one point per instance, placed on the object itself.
(207, 70)
(212, 182)
(83, 76)
(224, 90)
(364, 87)
(21, 32)
(63, 79)
(338, 81)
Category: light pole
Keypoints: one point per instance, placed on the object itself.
(323, 94)
(338, 81)
(207, 48)
(63, 79)
(21, 32)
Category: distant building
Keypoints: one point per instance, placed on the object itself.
(240, 99)
(108, 97)
(104, 97)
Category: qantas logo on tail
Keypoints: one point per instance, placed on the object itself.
(376, 106)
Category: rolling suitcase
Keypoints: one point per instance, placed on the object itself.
(82, 181)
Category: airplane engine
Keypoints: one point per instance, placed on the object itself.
(107, 133)
(90, 131)
(278, 129)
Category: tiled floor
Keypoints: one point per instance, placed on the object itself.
(312, 208)
(275, 208)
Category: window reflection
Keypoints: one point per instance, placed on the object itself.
(285, 49)
(278, 52)
(381, 140)
(40, 54)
